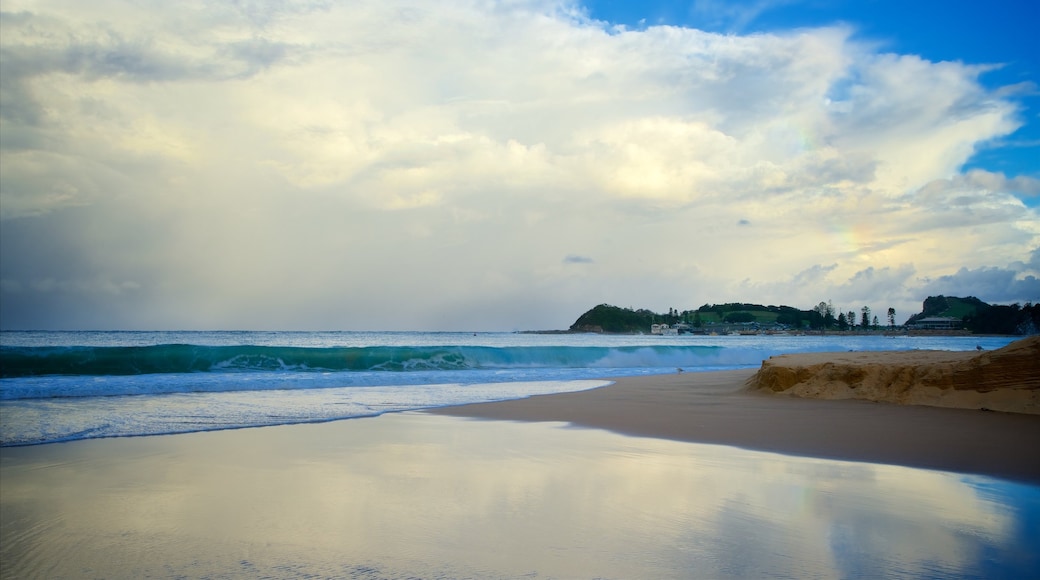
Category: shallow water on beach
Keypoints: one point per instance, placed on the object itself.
(414, 495)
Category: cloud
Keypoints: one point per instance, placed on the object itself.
(982, 183)
(572, 259)
(901, 287)
(997, 285)
(387, 165)
(878, 288)
(733, 16)
(1032, 266)
(43, 45)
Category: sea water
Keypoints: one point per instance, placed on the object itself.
(61, 386)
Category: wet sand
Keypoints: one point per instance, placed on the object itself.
(722, 408)
(416, 495)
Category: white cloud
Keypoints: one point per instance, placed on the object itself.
(735, 16)
(267, 164)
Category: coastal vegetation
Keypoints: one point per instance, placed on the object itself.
(607, 318)
(962, 314)
(983, 318)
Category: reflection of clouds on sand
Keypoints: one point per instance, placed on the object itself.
(587, 498)
(423, 495)
(725, 506)
(906, 521)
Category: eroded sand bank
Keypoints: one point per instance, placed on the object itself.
(1007, 379)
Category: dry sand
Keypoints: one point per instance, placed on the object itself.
(1007, 379)
(740, 408)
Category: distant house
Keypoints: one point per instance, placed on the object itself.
(663, 329)
(936, 323)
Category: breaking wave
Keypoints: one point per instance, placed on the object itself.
(184, 358)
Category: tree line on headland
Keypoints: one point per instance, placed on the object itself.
(964, 314)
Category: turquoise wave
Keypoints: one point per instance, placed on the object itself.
(185, 358)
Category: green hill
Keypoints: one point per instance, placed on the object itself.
(949, 307)
(607, 318)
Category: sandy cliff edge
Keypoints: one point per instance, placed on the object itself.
(1007, 379)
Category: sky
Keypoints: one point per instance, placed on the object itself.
(509, 164)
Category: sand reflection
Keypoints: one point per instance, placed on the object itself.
(424, 496)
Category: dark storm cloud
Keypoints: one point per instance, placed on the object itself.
(58, 271)
(139, 60)
(126, 56)
(995, 285)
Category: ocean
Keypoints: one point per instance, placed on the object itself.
(63, 386)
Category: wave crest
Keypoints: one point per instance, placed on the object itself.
(183, 358)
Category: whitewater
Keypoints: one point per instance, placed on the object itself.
(62, 386)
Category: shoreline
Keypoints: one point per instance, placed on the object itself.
(721, 408)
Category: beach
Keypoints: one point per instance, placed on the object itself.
(689, 474)
(830, 418)
(716, 408)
